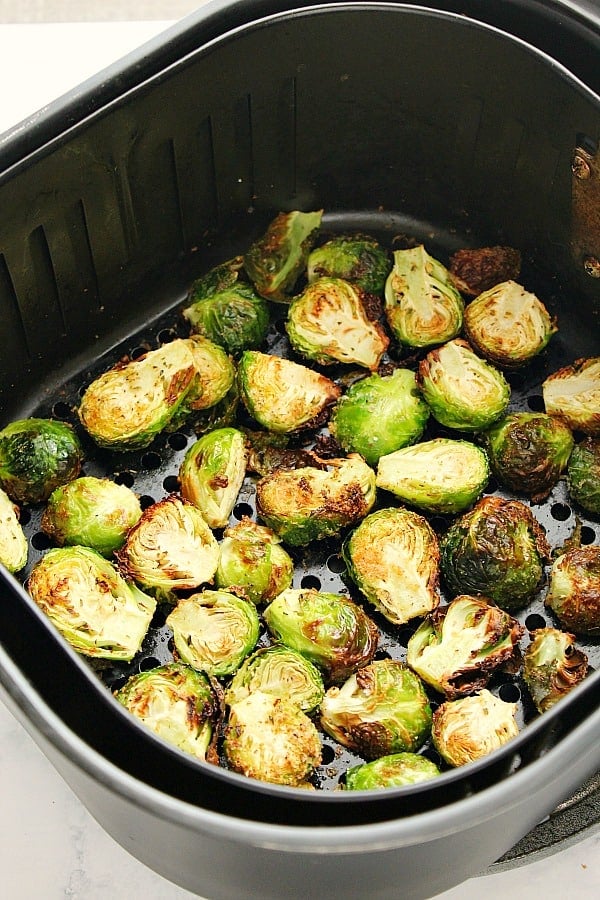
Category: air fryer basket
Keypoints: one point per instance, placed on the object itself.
(396, 120)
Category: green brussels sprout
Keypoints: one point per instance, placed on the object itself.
(422, 306)
(469, 728)
(458, 647)
(497, 549)
(552, 666)
(270, 739)
(36, 455)
(280, 671)
(508, 325)
(178, 704)
(276, 260)
(381, 709)
(253, 563)
(583, 475)
(93, 512)
(331, 322)
(574, 590)
(357, 258)
(308, 504)
(393, 557)
(13, 543)
(439, 476)
(214, 631)
(329, 629)
(394, 770)
(212, 473)
(380, 414)
(528, 452)
(462, 390)
(92, 605)
(213, 381)
(574, 394)
(283, 395)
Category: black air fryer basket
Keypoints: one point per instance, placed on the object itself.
(457, 124)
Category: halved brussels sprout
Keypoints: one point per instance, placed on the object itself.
(393, 770)
(283, 395)
(329, 629)
(380, 414)
(99, 612)
(441, 475)
(477, 269)
(93, 512)
(508, 325)
(422, 305)
(381, 709)
(307, 504)
(583, 475)
(214, 631)
(212, 473)
(330, 322)
(357, 258)
(214, 379)
(36, 455)
(393, 557)
(462, 390)
(574, 590)
(280, 671)
(470, 728)
(13, 543)
(458, 647)
(552, 666)
(253, 563)
(574, 393)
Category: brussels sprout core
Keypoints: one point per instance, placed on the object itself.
(552, 666)
(36, 455)
(574, 393)
(467, 729)
(574, 591)
(13, 543)
(394, 770)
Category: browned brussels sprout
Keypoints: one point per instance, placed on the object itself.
(253, 563)
(583, 475)
(393, 770)
(13, 543)
(574, 393)
(552, 666)
(356, 258)
(213, 381)
(574, 591)
(280, 671)
(467, 729)
(212, 473)
(37, 455)
(478, 269)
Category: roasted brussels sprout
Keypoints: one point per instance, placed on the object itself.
(282, 395)
(457, 648)
(462, 390)
(36, 455)
(478, 269)
(253, 563)
(357, 258)
(583, 475)
(214, 631)
(380, 414)
(280, 671)
(508, 325)
(99, 612)
(329, 629)
(574, 393)
(307, 504)
(381, 709)
(552, 666)
(93, 512)
(393, 557)
(422, 305)
(574, 590)
(329, 322)
(214, 379)
(212, 473)
(178, 704)
(467, 729)
(441, 475)
(394, 770)
(277, 259)
(13, 543)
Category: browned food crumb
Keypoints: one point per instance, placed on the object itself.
(476, 270)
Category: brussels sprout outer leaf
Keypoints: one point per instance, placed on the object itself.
(37, 455)
(394, 770)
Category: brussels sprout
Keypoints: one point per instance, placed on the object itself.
(99, 612)
(329, 629)
(528, 452)
(13, 543)
(441, 475)
(574, 590)
(280, 671)
(253, 563)
(508, 325)
(277, 259)
(271, 739)
(330, 322)
(380, 414)
(36, 455)
(394, 770)
(126, 407)
(574, 393)
(212, 473)
(356, 258)
(462, 390)
(467, 729)
(457, 647)
(478, 269)
(381, 709)
(583, 475)
(422, 305)
(497, 549)
(214, 379)
(552, 666)
(307, 504)
(282, 395)
(393, 557)
(177, 703)
(93, 512)
(214, 631)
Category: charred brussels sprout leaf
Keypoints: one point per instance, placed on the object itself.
(574, 393)
(552, 666)
(477, 269)
(574, 591)
(282, 672)
(253, 563)
(583, 475)
(212, 473)
(356, 258)
(394, 770)
(467, 729)
(13, 543)
(36, 456)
